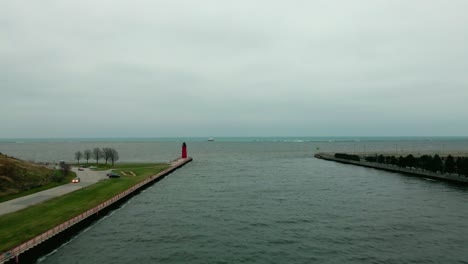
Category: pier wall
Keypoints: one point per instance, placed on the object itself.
(393, 168)
(31, 250)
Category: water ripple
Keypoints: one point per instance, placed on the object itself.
(264, 202)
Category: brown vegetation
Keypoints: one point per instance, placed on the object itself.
(18, 176)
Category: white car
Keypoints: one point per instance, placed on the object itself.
(76, 180)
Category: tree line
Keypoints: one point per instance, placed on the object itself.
(449, 164)
(107, 154)
(347, 156)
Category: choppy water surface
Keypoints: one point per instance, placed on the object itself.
(272, 202)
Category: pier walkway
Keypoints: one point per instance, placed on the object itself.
(388, 167)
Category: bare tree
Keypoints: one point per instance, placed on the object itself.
(78, 156)
(97, 154)
(66, 168)
(114, 156)
(107, 153)
(87, 155)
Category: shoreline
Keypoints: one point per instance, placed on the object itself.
(31, 250)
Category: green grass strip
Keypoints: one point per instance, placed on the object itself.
(18, 227)
(51, 185)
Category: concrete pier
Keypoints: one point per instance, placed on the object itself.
(388, 167)
(29, 251)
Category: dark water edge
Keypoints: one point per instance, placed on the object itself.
(272, 202)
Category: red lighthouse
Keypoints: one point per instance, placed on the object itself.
(184, 150)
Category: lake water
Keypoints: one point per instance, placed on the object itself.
(271, 201)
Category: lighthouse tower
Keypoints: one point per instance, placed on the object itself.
(184, 150)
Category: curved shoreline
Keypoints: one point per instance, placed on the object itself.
(415, 172)
(31, 250)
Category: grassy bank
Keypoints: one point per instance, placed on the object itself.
(23, 225)
(20, 178)
(67, 179)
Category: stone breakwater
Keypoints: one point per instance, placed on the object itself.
(388, 167)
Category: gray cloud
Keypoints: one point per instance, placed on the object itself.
(227, 68)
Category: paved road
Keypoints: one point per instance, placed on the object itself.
(87, 178)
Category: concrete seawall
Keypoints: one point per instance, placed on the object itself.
(415, 172)
(31, 250)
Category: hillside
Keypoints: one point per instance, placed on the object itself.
(18, 176)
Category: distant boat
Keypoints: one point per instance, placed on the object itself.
(210, 139)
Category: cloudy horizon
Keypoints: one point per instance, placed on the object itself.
(243, 68)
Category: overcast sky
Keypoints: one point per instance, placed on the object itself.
(233, 68)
